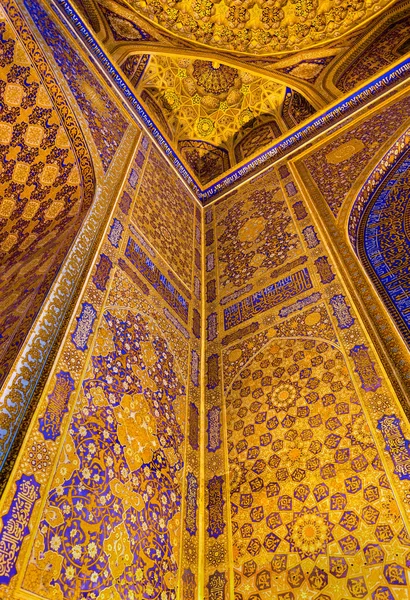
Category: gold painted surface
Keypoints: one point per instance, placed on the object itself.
(209, 100)
(272, 411)
(255, 27)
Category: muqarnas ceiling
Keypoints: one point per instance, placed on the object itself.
(214, 114)
(259, 26)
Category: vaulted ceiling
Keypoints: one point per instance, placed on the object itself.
(223, 79)
(259, 26)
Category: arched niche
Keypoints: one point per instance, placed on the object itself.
(304, 470)
(379, 231)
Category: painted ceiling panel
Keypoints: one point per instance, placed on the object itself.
(259, 26)
(209, 100)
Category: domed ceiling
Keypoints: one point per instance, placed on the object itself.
(259, 26)
(214, 114)
(224, 79)
(209, 100)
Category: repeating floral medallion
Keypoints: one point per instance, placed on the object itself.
(308, 490)
(112, 517)
(255, 233)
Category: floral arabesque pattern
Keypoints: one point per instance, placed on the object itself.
(113, 521)
(255, 234)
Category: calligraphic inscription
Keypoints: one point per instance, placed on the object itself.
(57, 406)
(235, 295)
(385, 192)
(158, 281)
(115, 233)
(212, 327)
(310, 236)
(134, 277)
(341, 311)
(102, 273)
(15, 525)
(214, 429)
(216, 586)
(142, 241)
(176, 323)
(178, 283)
(195, 368)
(84, 326)
(365, 368)
(324, 269)
(213, 371)
(386, 240)
(396, 444)
(105, 121)
(193, 426)
(215, 506)
(188, 585)
(273, 294)
(299, 304)
(191, 504)
(240, 333)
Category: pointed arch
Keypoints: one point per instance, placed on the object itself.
(379, 231)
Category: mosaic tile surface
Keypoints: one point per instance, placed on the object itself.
(103, 117)
(255, 233)
(311, 506)
(218, 422)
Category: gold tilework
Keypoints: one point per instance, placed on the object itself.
(311, 506)
(255, 234)
(164, 212)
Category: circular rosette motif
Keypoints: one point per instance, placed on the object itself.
(171, 101)
(283, 396)
(205, 127)
(215, 78)
(259, 27)
(294, 454)
(309, 533)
